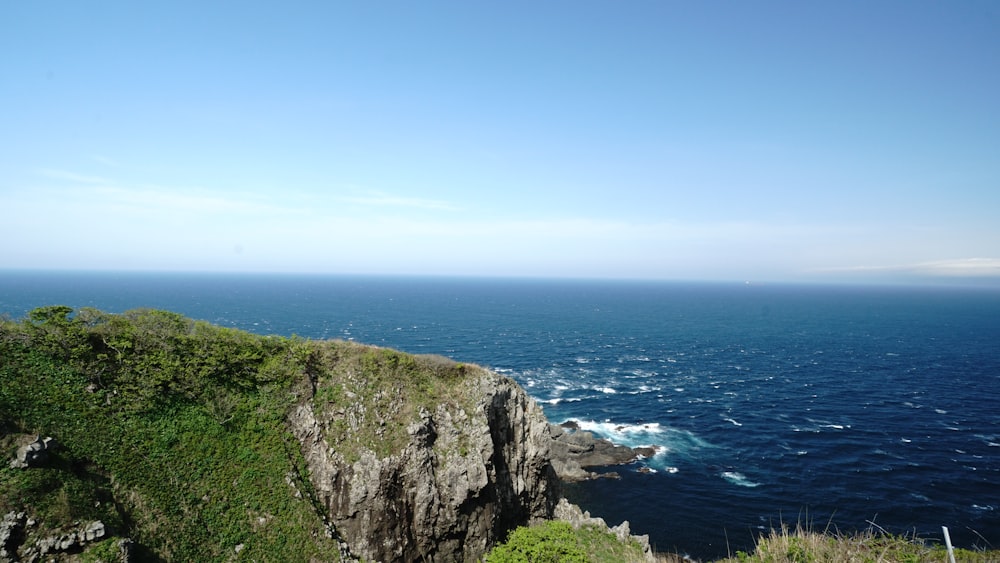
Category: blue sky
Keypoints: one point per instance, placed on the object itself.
(794, 141)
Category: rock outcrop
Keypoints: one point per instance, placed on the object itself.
(465, 479)
(33, 454)
(572, 513)
(573, 451)
(19, 543)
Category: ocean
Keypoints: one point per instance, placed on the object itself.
(843, 408)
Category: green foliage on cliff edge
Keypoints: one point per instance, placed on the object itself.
(559, 542)
(173, 431)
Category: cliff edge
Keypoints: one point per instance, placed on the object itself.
(150, 436)
(474, 466)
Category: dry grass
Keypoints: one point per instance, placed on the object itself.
(803, 545)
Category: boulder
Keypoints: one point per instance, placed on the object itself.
(34, 454)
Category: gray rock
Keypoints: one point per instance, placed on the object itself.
(576, 517)
(464, 480)
(573, 451)
(72, 540)
(34, 454)
(11, 534)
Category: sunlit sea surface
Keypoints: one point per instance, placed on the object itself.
(837, 406)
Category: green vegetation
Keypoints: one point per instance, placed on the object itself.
(559, 542)
(374, 393)
(803, 545)
(552, 542)
(173, 431)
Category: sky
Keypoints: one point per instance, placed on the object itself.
(849, 141)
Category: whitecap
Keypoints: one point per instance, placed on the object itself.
(739, 479)
(905, 440)
(733, 421)
(940, 411)
(672, 470)
(607, 390)
(988, 507)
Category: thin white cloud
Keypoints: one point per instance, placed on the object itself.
(382, 199)
(960, 267)
(967, 267)
(74, 177)
(101, 192)
(166, 199)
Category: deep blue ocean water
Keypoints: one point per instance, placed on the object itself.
(839, 406)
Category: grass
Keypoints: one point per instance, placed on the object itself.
(372, 394)
(174, 430)
(804, 545)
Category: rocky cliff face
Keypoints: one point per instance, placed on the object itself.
(466, 478)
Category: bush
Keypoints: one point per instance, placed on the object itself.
(555, 541)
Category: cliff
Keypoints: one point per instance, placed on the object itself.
(178, 440)
(473, 467)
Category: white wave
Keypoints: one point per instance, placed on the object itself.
(672, 470)
(988, 507)
(733, 421)
(940, 411)
(738, 478)
(613, 430)
(666, 442)
(606, 390)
